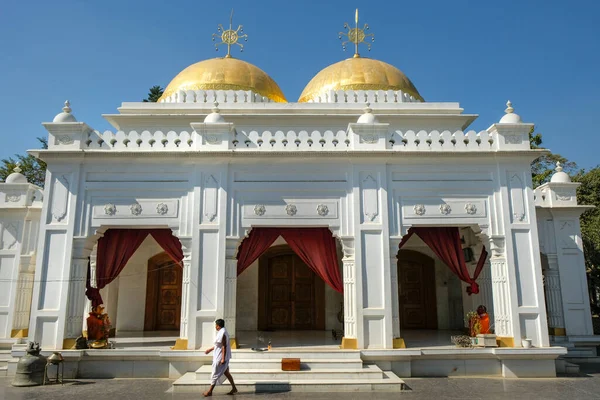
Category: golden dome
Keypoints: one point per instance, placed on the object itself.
(358, 74)
(226, 73)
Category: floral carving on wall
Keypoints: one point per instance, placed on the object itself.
(136, 209)
(471, 208)
(260, 210)
(65, 139)
(162, 208)
(513, 139)
(12, 198)
(419, 209)
(110, 209)
(322, 210)
(291, 210)
(445, 209)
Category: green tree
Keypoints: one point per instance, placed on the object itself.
(543, 167)
(154, 94)
(33, 168)
(589, 194)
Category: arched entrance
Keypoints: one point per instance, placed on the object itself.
(416, 291)
(163, 294)
(291, 295)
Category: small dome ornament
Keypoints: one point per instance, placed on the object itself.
(66, 115)
(510, 117)
(560, 176)
(367, 117)
(214, 117)
(16, 176)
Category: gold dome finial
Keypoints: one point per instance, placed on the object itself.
(356, 35)
(229, 36)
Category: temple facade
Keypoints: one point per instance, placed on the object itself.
(207, 204)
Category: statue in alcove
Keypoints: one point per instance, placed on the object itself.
(484, 320)
(98, 328)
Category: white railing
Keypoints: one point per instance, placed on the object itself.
(364, 96)
(221, 96)
(441, 141)
(291, 140)
(332, 96)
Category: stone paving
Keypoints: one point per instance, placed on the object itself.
(584, 386)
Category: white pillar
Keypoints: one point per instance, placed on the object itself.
(230, 306)
(23, 296)
(394, 243)
(486, 295)
(503, 324)
(87, 303)
(185, 295)
(572, 272)
(350, 339)
(76, 292)
(556, 321)
(183, 341)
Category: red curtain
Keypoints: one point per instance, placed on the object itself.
(315, 246)
(117, 246)
(252, 247)
(445, 243)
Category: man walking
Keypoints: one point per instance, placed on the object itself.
(221, 356)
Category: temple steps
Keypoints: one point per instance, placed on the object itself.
(306, 364)
(5, 357)
(278, 354)
(367, 372)
(320, 371)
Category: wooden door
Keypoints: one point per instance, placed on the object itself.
(291, 295)
(163, 294)
(416, 291)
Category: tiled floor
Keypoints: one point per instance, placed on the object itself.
(585, 386)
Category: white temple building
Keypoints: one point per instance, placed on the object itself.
(223, 164)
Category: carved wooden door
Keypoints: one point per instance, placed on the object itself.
(291, 294)
(416, 291)
(163, 294)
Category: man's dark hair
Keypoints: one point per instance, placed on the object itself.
(220, 322)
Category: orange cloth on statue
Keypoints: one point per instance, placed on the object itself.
(95, 327)
(484, 323)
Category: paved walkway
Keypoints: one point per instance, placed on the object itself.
(585, 386)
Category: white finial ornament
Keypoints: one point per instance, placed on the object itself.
(510, 117)
(367, 117)
(214, 117)
(65, 115)
(560, 176)
(16, 176)
(559, 167)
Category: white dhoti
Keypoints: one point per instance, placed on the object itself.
(218, 369)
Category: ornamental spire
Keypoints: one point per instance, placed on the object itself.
(356, 35)
(230, 37)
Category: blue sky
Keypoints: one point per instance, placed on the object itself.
(542, 55)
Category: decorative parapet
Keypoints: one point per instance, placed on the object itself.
(221, 96)
(67, 135)
(331, 96)
(511, 136)
(213, 136)
(368, 136)
(20, 195)
(364, 96)
(556, 194)
(442, 141)
(223, 136)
